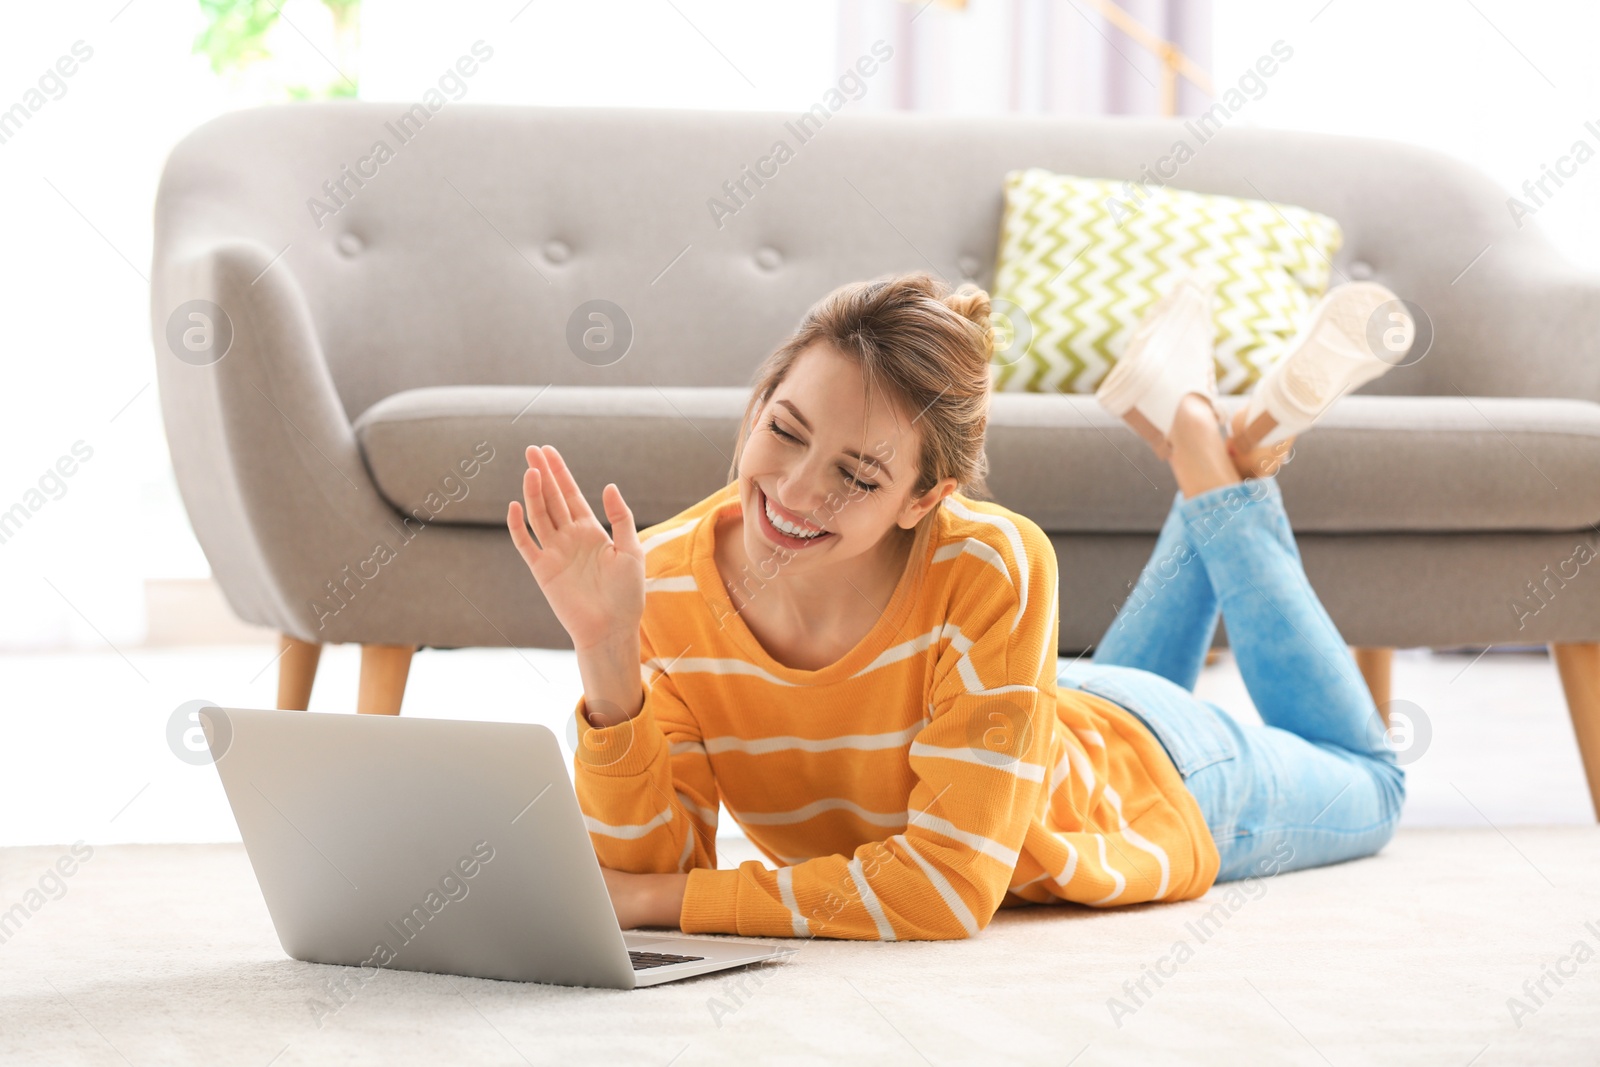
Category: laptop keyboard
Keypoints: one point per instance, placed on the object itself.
(643, 961)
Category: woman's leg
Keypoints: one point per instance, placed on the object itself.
(1169, 619)
(1170, 616)
(1296, 666)
(1317, 783)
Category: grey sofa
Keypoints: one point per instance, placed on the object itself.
(398, 332)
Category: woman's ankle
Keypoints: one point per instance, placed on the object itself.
(1200, 459)
(1258, 461)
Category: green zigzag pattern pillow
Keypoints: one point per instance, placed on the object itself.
(1085, 258)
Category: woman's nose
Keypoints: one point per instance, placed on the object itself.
(804, 491)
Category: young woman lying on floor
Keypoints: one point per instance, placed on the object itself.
(857, 656)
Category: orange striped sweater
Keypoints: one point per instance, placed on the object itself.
(932, 775)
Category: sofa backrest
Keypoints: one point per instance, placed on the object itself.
(455, 247)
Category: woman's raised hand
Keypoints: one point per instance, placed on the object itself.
(594, 582)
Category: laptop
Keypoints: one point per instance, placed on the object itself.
(435, 845)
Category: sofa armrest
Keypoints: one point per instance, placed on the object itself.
(1525, 324)
(265, 457)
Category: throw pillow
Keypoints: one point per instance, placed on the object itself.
(1081, 259)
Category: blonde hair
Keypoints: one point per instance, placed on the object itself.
(929, 345)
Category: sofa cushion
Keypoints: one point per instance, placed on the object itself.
(1083, 259)
(1372, 463)
(665, 447)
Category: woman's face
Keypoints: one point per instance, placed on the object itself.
(807, 459)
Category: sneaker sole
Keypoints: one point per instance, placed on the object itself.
(1137, 370)
(1346, 311)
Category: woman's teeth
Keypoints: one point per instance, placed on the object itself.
(788, 527)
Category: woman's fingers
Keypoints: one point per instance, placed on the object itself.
(531, 512)
(516, 522)
(571, 495)
(533, 501)
(623, 533)
(555, 505)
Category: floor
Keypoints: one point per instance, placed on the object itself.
(1449, 947)
(93, 752)
(1430, 953)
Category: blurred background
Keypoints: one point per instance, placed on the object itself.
(111, 621)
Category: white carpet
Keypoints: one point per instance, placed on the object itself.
(164, 954)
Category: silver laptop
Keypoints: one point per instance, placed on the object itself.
(434, 845)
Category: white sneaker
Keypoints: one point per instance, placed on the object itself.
(1331, 355)
(1169, 356)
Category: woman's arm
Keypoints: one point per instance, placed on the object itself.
(645, 899)
(610, 673)
(645, 783)
(628, 782)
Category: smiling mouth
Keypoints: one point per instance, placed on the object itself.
(785, 529)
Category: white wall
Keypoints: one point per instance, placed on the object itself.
(78, 181)
(619, 53)
(1506, 85)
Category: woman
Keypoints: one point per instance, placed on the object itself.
(857, 657)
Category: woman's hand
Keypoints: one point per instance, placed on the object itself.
(645, 899)
(594, 583)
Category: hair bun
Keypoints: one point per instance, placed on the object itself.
(972, 303)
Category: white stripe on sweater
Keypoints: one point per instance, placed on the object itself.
(1058, 774)
(688, 850)
(1080, 763)
(1121, 881)
(655, 541)
(869, 900)
(675, 583)
(1029, 882)
(704, 814)
(709, 665)
(801, 927)
(947, 892)
(1031, 772)
(759, 746)
(904, 650)
(1014, 537)
(628, 831)
(1072, 864)
(1138, 840)
(1047, 651)
(973, 547)
(986, 845)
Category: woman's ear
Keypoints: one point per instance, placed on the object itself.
(927, 502)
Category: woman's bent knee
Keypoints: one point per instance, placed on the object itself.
(1390, 780)
(1392, 788)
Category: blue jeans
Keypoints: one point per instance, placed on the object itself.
(1316, 783)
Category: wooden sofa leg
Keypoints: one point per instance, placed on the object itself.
(297, 669)
(383, 678)
(1579, 666)
(1377, 667)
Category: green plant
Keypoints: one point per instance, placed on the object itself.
(236, 32)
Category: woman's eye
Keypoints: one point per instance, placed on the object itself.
(866, 487)
(859, 484)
